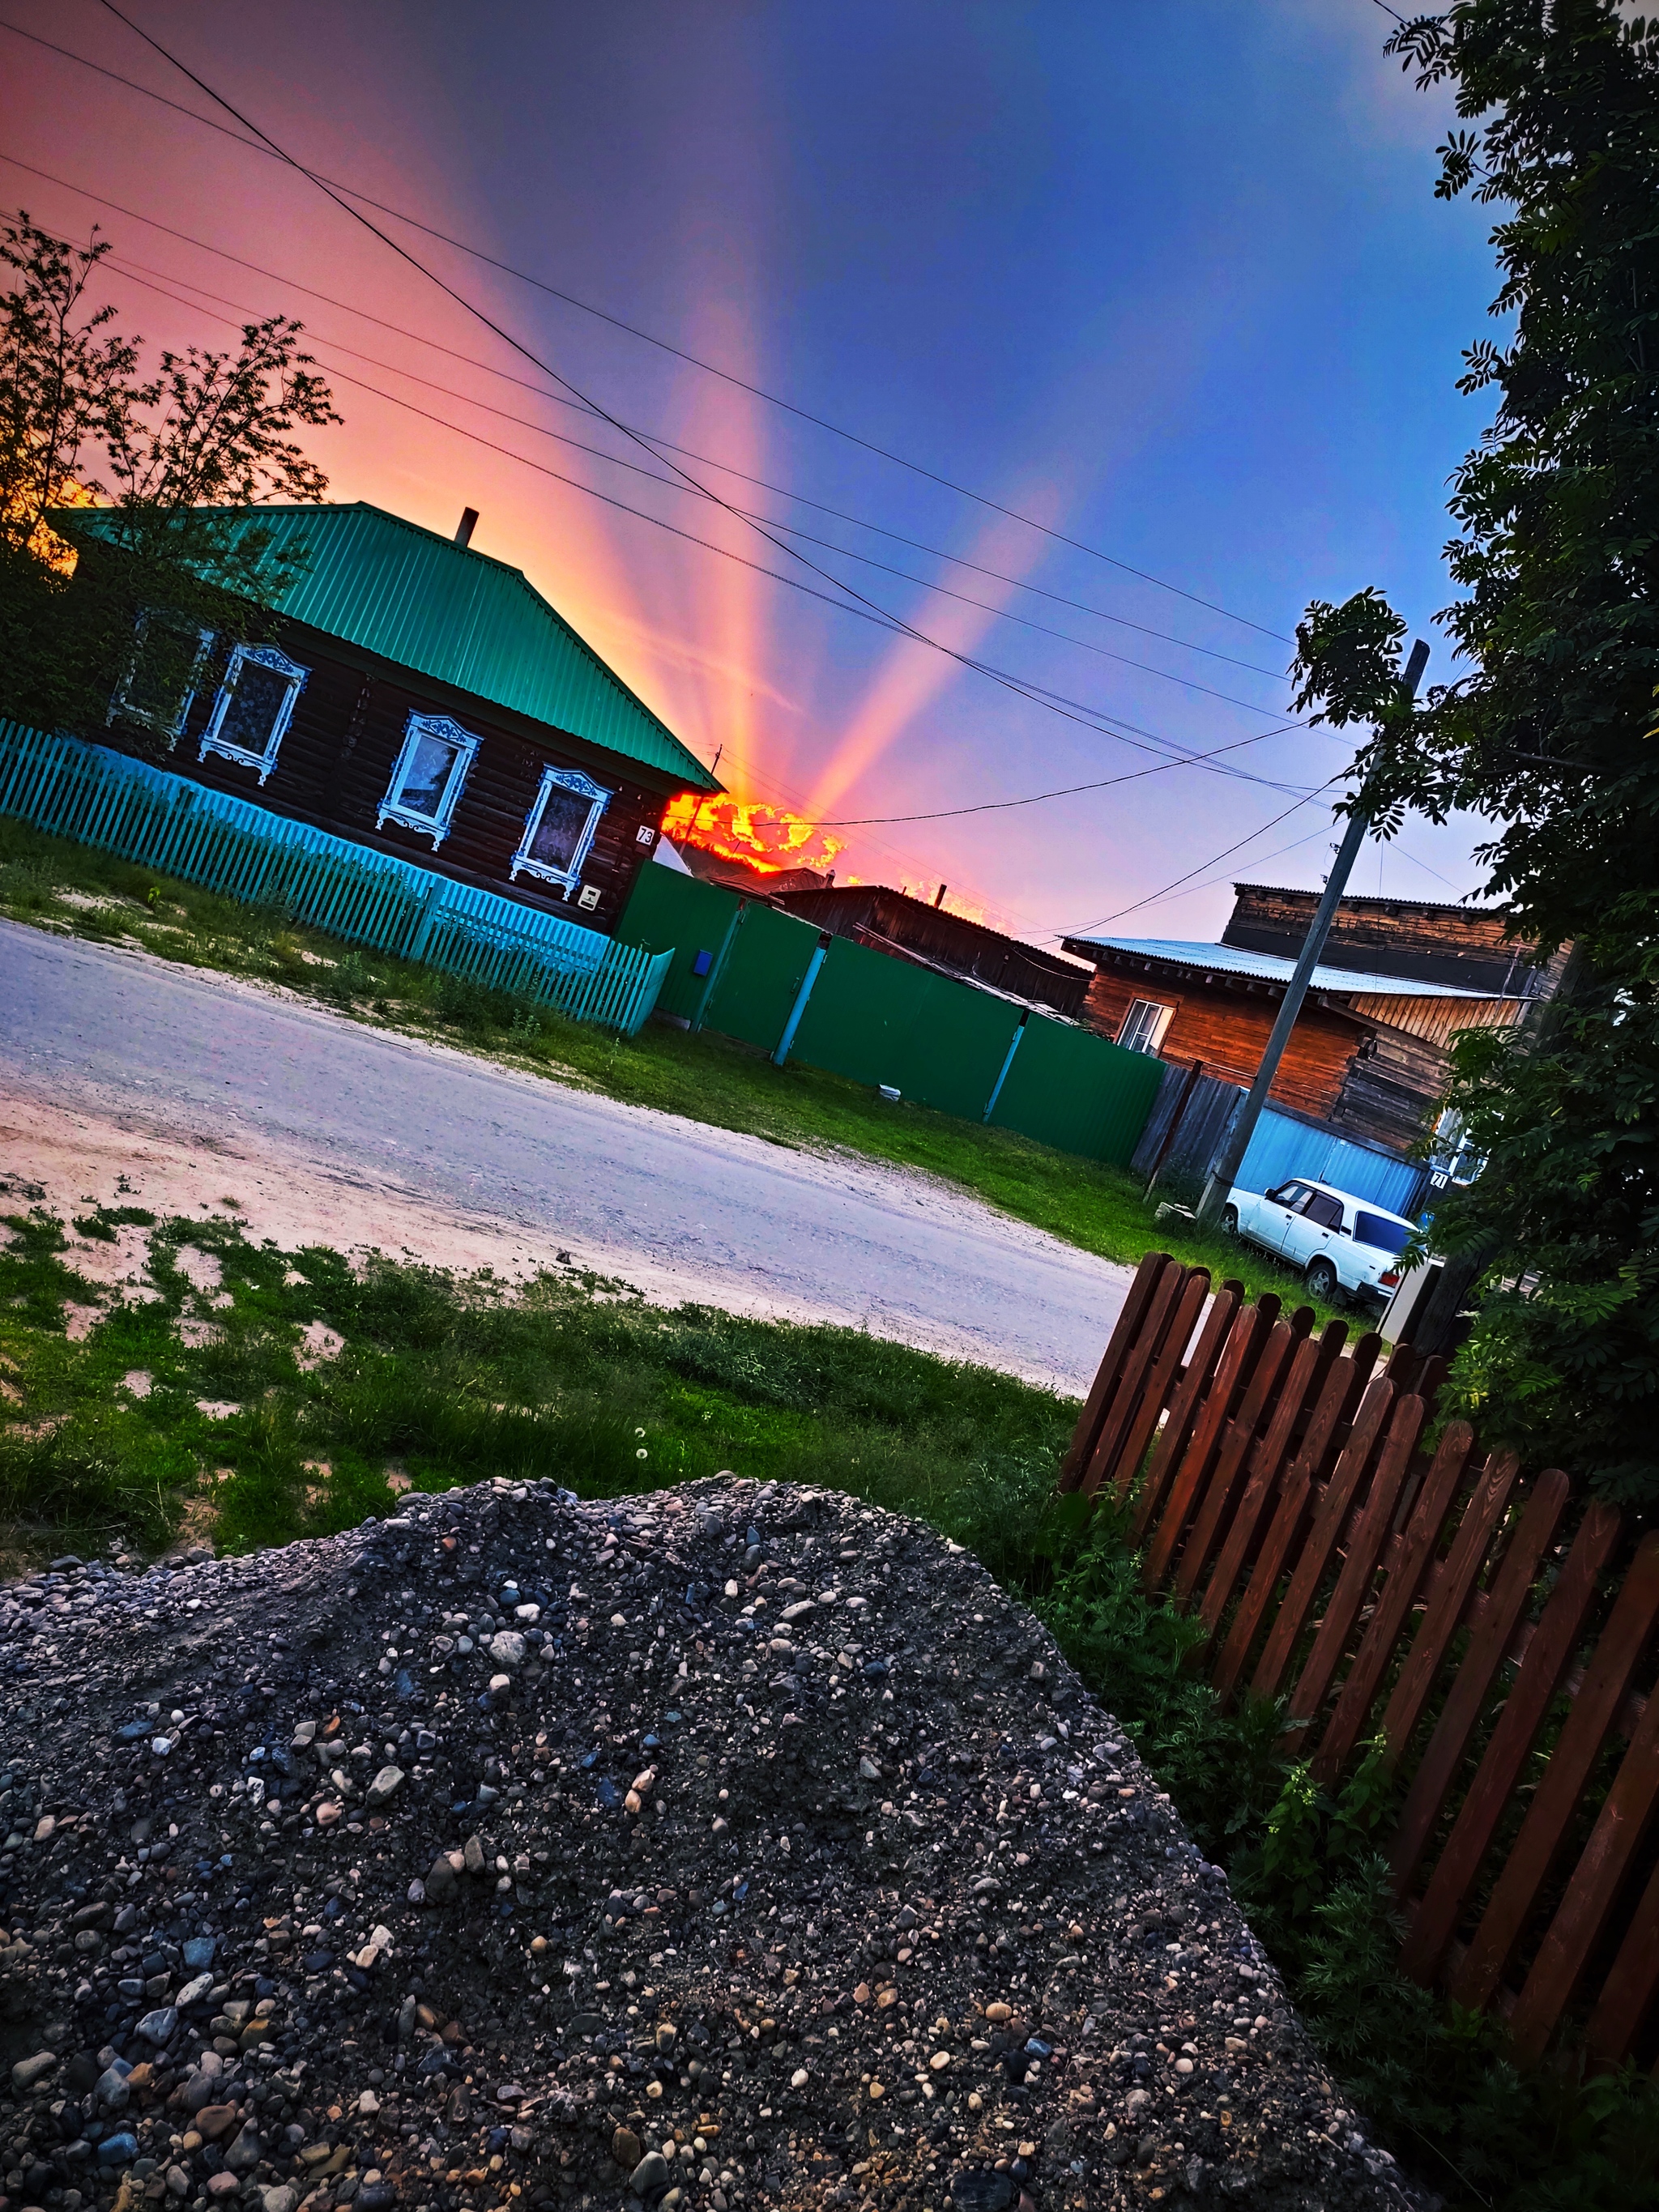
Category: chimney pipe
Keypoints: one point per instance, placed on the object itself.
(939, 895)
(468, 524)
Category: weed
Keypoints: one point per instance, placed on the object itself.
(105, 1221)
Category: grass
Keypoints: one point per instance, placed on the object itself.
(255, 1428)
(56, 886)
(440, 1382)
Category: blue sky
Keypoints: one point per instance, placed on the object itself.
(1171, 282)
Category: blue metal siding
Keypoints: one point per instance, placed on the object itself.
(1282, 1148)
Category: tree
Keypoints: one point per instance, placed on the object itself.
(123, 498)
(1550, 733)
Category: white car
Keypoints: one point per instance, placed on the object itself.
(1338, 1244)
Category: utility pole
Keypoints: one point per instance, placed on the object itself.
(1231, 1156)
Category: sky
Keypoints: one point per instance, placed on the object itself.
(1148, 314)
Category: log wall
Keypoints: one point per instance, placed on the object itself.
(1227, 1025)
(338, 752)
(1465, 946)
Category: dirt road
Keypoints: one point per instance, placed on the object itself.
(197, 1089)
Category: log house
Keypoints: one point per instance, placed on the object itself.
(424, 700)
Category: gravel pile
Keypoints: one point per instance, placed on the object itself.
(730, 1848)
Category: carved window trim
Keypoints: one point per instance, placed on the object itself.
(124, 709)
(259, 656)
(552, 780)
(436, 823)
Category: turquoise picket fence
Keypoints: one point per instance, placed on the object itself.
(96, 797)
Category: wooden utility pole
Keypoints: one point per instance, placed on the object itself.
(1230, 1158)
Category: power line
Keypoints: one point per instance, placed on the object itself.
(1152, 897)
(136, 274)
(1037, 799)
(553, 291)
(653, 439)
(1004, 681)
(1085, 714)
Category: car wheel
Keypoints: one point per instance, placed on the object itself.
(1230, 1220)
(1323, 1282)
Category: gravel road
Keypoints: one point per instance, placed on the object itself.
(291, 1091)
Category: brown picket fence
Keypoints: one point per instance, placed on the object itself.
(1497, 1643)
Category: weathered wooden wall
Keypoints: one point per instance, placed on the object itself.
(1391, 1092)
(336, 759)
(888, 919)
(1226, 1024)
(1461, 945)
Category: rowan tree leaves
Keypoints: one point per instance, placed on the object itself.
(1546, 729)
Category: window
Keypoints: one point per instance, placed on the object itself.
(1144, 1026)
(427, 780)
(1291, 1195)
(1376, 1230)
(1324, 1211)
(559, 829)
(252, 711)
(161, 678)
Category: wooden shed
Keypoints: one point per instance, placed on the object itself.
(933, 937)
(424, 700)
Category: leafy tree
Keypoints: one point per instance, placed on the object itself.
(122, 496)
(1550, 733)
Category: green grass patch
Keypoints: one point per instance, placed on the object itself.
(47, 882)
(438, 1381)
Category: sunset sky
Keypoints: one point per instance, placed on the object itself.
(1168, 282)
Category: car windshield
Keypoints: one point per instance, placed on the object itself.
(1377, 1229)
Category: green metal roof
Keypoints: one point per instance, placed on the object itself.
(428, 604)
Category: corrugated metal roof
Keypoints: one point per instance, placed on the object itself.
(421, 601)
(1232, 960)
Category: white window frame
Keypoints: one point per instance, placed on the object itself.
(261, 656)
(121, 707)
(560, 779)
(1148, 1035)
(435, 825)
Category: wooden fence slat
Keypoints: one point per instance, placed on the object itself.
(1134, 1384)
(1245, 1345)
(1328, 1431)
(1607, 1682)
(1488, 1644)
(1388, 1623)
(1310, 1370)
(1629, 1989)
(1548, 1654)
(1446, 1600)
(1286, 1476)
(1402, 1364)
(1186, 1405)
(1589, 1894)
(1330, 1514)
(1358, 1570)
(1147, 1276)
(1283, 1338)
(1130, 1448)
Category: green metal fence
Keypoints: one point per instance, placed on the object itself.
(737, 967)
(96, 797)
